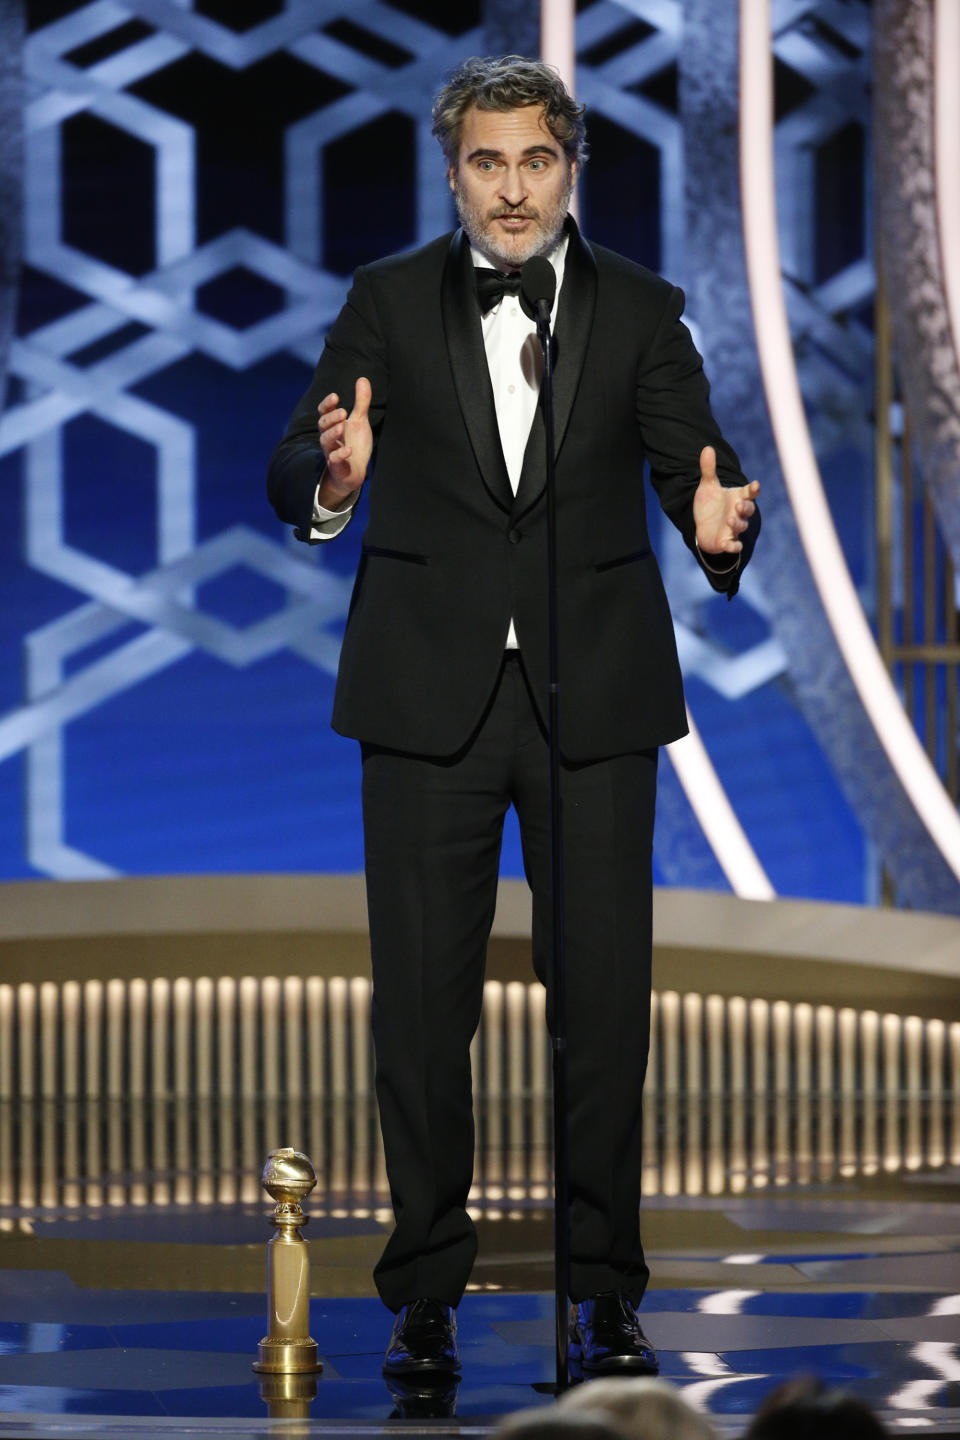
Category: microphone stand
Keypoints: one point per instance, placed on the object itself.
(561, 1202)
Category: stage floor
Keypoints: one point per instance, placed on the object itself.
(131, 1303)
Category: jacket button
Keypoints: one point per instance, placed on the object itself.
(514, 536)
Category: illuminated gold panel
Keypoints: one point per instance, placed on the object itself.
(171, 1092)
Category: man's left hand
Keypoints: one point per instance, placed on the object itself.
(721, 512)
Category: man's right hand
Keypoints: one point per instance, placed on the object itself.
(347, 442)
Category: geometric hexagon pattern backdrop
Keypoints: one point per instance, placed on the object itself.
(197, 190)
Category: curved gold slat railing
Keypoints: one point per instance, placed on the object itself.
(169, 1094)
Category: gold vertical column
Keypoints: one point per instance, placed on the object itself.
(693, 1047)
(826, 1150)
(93, 1069)
(477, 1079)
(6, 1095)
(936, 1036)
(160, 1087)
(671, 1175)
(361, 1073)
(116, 1035)
(737, 1051)
(6, 1042)
(539, 1092)
(803, 1085)
(759, 1054)
(287, 1348)
(955, 1092)
(203, 998)
(493, 1090)
(869, 1069)
(651, 1104)
(293, 1060)
(891, 1092)
(250, 1086)
(270, 1019)
(715, 1011)
(49, 1094)
(26, 1036)
(70, 1089)
(516, 998)
(847, 1045)
(338, 1168)
(227, 1088)
(780, 1016)
(913, 1085)
(317, 1069)
(183, 1091)
(138, 996)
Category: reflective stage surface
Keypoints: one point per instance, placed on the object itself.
(819, 1233)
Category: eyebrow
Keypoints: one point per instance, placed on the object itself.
(487, 152)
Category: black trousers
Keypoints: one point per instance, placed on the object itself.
(432, 831)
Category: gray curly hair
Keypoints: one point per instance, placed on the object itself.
(507, 82)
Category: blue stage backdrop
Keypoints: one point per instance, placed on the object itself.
(198, 188)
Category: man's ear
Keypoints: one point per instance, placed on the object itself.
(451, 177)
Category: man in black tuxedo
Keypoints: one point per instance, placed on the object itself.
(443, 669)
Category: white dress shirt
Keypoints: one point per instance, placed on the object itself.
(515, 362)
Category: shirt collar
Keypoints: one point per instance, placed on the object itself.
(557, 258)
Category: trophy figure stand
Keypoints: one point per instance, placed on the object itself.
(287, 1349)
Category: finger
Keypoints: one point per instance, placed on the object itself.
(362, 395)
(327, 403)
(332, 417)
(708, 463)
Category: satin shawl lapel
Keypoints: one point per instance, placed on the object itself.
(578, 301)
(471, 373)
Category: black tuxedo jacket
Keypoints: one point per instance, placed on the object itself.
(449, 554)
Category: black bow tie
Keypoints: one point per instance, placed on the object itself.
(492, 285)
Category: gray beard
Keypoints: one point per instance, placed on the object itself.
(549, 229)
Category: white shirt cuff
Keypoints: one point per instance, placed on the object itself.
(325, 524)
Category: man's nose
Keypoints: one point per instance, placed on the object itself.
(513, 190)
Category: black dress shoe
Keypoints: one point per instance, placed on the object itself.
(424, 1340)
(606, 1339)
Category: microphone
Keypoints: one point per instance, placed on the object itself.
(538, 286)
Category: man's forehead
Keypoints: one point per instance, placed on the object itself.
(516, 129)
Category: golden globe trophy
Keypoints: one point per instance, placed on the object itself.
(287, 1349)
